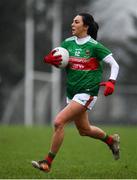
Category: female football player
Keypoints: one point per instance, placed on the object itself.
(84, 74)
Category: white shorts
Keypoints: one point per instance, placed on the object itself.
(84, 99)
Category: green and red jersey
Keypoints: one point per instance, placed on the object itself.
(84, 72)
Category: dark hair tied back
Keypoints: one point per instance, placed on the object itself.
(92, 25)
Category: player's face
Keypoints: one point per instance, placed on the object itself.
(78, 27)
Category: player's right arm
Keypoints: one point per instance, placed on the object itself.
(53, 60)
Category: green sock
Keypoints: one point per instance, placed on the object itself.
(108, 139)
(105, 138)
(49, 158)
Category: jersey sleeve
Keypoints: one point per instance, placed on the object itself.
(101, 51)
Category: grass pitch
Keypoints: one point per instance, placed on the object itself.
(79, 157)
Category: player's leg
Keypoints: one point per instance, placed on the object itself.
(70, 112)
(82, 122)
(85, 129)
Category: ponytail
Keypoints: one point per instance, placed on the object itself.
(93, 30)
(92, 25)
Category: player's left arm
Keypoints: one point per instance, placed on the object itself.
(110, 84)
(113, 65)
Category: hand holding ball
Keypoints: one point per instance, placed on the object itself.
(58, 57)
(64, 55)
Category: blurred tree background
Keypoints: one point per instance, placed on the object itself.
(12, 17)
(117, 31)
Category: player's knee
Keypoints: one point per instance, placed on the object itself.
(58, 123)
(82, 132)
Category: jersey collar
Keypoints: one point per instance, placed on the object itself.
(81, 41)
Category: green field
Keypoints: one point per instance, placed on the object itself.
(79, 157)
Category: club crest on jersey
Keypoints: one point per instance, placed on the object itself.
(87, 52)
